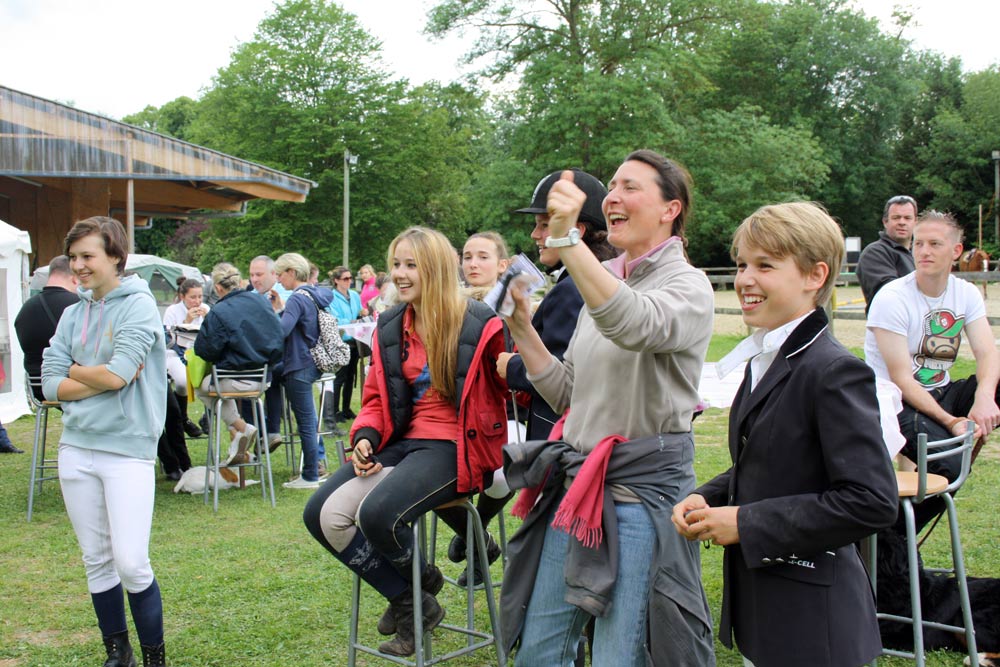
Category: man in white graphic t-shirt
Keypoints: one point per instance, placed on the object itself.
(914, 332)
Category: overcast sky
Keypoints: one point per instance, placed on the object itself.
(117, 56)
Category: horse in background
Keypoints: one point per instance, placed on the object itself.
(974, 259)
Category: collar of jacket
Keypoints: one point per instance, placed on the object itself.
(805, 334)
(893, 242)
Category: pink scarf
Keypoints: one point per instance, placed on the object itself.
(581, 510)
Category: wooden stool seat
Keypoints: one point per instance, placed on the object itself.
(233, 394)
(908, 481)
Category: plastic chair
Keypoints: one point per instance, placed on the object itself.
(262, 461)
(42, 469)
(476, 548)
(914, 488)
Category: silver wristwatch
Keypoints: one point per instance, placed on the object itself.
(571, 238)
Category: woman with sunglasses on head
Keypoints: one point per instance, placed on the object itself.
(598, 543)
(299, 315)
(346, 307)
(430, 430)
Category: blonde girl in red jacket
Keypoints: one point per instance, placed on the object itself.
(430, 430)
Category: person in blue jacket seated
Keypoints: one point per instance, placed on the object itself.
(239, 333)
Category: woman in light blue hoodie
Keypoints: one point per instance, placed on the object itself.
(106, 364)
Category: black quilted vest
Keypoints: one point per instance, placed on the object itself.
(390, 342)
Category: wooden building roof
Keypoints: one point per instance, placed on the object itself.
(51, 144)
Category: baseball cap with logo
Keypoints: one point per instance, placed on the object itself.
(591, 212)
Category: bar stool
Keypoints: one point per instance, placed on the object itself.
(289, 435)
(253, 377)
(476, 639)
(42, 469)
(914, 488)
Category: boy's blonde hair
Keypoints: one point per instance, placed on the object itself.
(803, 231)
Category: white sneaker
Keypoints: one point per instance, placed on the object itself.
(299, 483)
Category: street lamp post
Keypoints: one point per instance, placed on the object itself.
(996, 196)
(349, 159)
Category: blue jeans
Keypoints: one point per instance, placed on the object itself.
(299, 392)
(552, 627)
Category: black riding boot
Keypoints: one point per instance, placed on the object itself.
(192, 429)
(119, 650)
(154, 656)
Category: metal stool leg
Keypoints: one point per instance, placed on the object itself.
(37, 449)
(352, 646)
(264, 448)
(288, 434)
(484, 563)
(958, 561)
(916, 612)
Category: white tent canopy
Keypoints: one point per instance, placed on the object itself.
(14, 248)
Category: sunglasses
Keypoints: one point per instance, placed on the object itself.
(902, 199)
(345, 278)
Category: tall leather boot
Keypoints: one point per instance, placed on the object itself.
(119, 650)
(192, 429)
(154, 656)
(330, 412)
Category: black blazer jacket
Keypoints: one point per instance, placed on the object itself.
(811, 476)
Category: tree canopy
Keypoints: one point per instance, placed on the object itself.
(762, 101)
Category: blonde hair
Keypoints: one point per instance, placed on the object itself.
(946, 219)
(803, 231)
(295, 262)
(442, 307)
(226, 276)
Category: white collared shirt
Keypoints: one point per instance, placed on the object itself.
(760, 348)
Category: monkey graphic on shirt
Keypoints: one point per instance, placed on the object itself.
(942, 336)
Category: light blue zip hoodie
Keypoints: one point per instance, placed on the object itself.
(123, 331)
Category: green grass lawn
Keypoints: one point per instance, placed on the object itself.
(249, 587)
